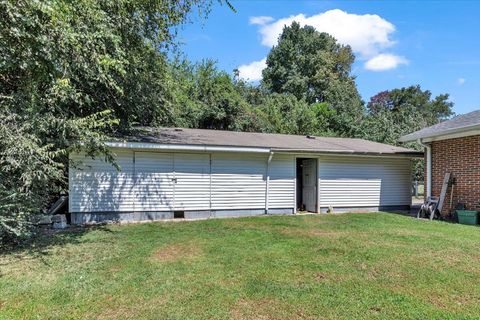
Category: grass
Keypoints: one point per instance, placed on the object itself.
(375, 266)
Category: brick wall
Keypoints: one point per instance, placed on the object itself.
(460, 157)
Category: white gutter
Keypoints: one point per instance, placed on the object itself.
(429, 167)
(211, 148)
(183, 147)
(348, 152)
(462, 131)
(453, 135)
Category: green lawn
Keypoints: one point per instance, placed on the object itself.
(375, 265)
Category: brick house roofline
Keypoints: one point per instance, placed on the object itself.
(460, 126)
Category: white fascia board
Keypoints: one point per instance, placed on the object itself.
(453, 135)
(471, 130)
(183, 147)
(306, 151)
(351, 154)
(210, 148)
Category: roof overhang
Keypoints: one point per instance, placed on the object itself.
(409, 154)
(466, 131)
(217, 148)
(184, 147)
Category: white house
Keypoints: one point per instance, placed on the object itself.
(193, 173)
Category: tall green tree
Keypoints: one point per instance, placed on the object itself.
(315, 68)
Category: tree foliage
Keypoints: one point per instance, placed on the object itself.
(205, 97)
(69, 72)
(397, 112)
(315, 68)
(284, 113)
(394, 113)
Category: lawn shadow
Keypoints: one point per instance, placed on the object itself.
(44, 238)
(411, 212)
(414, 209)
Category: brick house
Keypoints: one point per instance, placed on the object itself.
(452, 146)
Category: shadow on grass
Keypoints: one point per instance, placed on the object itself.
(412, 213)
(44, 238)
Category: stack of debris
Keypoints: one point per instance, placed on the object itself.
(53, 216)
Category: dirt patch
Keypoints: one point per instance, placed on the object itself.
(455, 302)
(113, 308)
(254, 309)
(119, 313)
(404, 233)
(311, 233)
(115, 268)
(330, 277)
(375, 310)
(177, 251)
(258, 223)
(320, 276)
(265, 309)
(438, 302)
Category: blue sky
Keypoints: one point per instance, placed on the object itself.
(432, 43)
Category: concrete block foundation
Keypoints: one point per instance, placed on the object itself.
(97, 217)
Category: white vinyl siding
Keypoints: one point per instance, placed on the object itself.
(154, 184)
(238, 181)
(192, 189)
(364, 181)
(96, 186)
(172, 181)
(230, 181)
(281, 185)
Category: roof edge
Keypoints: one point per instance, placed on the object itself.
(180, 147)
(414, 136)
(410, 154)
(218, 148)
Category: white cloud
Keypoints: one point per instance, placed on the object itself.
(461, 81)
(385, 61)
(252, 71)
(260, 20)
(367, 34)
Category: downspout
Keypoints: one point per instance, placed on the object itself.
(429, 167)
(267, 182)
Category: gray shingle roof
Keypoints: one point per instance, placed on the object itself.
(464, 122)
(275, 142)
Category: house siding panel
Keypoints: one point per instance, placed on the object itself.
(96, 186)
(192, 189)
(154, 185)
(238, 181)
(364, 182)
(281, 193)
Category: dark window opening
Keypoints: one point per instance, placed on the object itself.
(306, 194)
(179, 214)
